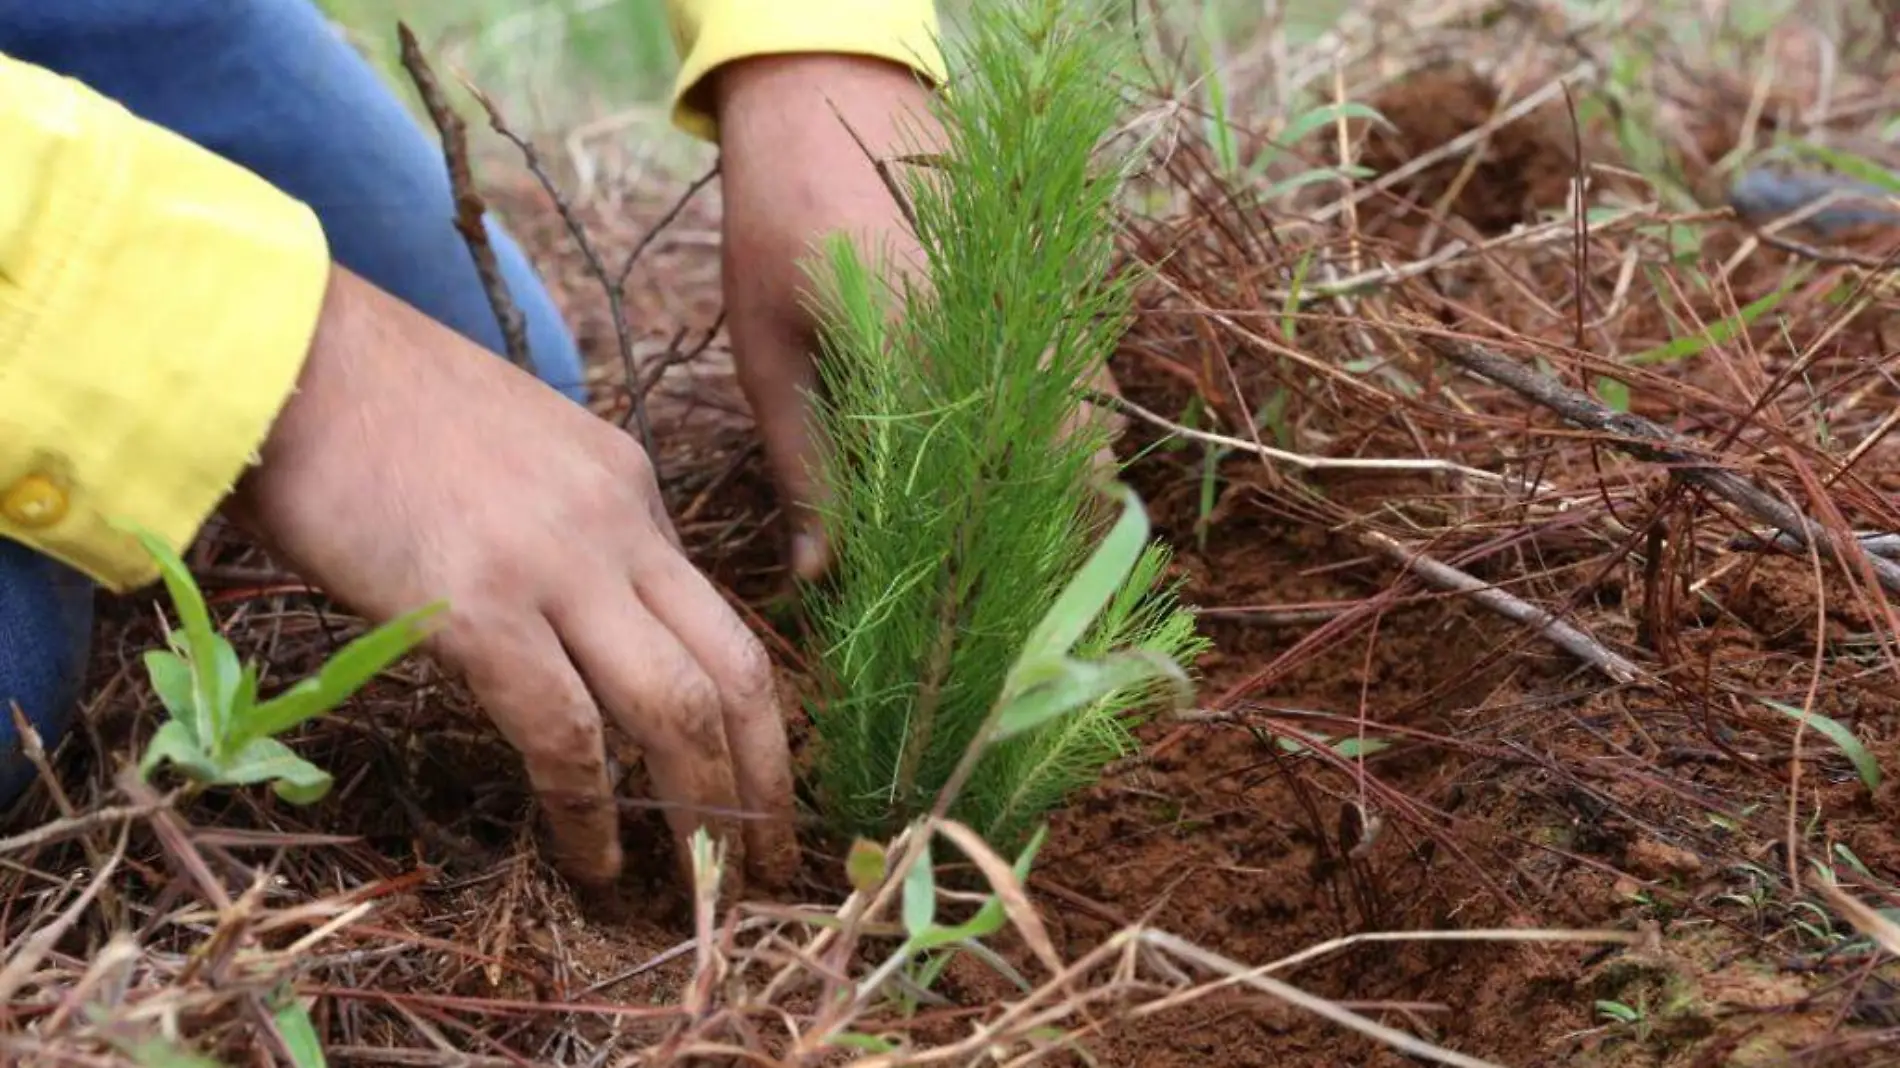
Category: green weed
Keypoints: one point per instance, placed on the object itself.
(218, 733)
(1865, 765)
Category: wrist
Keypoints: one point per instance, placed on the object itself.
(797, 92)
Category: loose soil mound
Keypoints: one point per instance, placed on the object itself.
(1512, 782)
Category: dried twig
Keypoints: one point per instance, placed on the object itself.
(47, 833)
(675, 355)
(470, 210)
(616, 303)
(612, 287)
(1302, 460)
(28, 953)
(1887, 545)
(659, 226)
(1571, 639)
(1825, 255)
(883, 168)
(1645, 440)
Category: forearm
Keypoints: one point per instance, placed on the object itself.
(156, 304)
(711, 34)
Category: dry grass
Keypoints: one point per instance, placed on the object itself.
(1648, 633)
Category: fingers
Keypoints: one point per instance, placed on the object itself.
(662, 698)
(523, 678)
(777, 375)
(737, 667)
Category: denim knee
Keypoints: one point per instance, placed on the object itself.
(270, 85)
(45, 635)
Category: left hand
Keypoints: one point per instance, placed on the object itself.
(791, 175)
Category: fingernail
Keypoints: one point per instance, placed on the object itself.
(808, 555)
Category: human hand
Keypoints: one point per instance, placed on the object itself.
(412, 466)
(793, 174)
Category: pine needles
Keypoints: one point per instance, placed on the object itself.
(961, 496)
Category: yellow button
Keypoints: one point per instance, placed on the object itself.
(34, 501)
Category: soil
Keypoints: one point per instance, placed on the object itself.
(1224, 838)
(1523, 792)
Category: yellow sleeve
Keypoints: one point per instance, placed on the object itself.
(711, 32)
(156, 304)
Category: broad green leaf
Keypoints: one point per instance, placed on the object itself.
(1063, 686)
(1093, 586)
(933, 968)
(1863, 761)
(195, 620)
(1618, 1011)
(1325, 116)
(246, 696)
(1856, 167)
(1305, 178)
(1852, 859)
(171, 680)
(303, 784)
(175, 742)
(295, 779)
(160, 1052)
(1346, 747)
(1220, 128)
(223, 677)
(1296, 288)
(1613, 392)
(189, 603)
(920, 895)
(300, 1035)
(345, 673)
(1753, 21)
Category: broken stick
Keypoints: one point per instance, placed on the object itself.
(1571, 639)
(470, 210)
(1648, 441)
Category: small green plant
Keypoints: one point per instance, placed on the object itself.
(1635, 1019)
(218, 733)
(1044, 684)
(928, 946)
(1865, 764)
(959, 470)
(156, 1048)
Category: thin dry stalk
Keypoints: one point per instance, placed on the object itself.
(1614, 666)
(471, 210)
(1647, 441)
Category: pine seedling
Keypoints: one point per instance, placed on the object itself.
(961, 502)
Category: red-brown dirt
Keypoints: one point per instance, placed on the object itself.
(1522, 792)
(1228, 840)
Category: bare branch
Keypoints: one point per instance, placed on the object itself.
(470, 209)
(1568, 637)
(1645, 440)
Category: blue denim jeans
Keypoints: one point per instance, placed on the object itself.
(270, 85)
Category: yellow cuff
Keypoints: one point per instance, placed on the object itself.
(156, 305)
(711, 32)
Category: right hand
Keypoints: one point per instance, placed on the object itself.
(412, 466)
